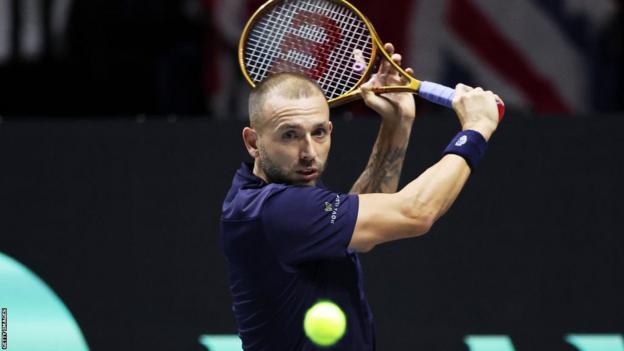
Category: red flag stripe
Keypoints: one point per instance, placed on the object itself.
(475, 29)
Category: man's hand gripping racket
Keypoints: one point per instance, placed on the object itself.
(329, 41)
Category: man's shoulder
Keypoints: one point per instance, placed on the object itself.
(246, 203)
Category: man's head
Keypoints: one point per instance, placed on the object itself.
(290, 133)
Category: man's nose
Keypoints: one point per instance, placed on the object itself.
(308, 151)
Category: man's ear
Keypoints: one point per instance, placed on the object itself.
(250, 138)
(331, 127)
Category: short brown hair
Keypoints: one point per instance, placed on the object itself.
(286, 85)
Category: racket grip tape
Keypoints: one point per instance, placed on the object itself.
(437, 93)
(443, 95)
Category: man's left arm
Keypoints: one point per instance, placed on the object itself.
(397, 111)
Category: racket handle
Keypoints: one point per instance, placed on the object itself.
(443, 95)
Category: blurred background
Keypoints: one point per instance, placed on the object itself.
(116, 57)
(120, 131)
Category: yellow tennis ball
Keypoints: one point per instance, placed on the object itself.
(324, 323)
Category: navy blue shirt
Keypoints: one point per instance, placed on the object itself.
(287, 248)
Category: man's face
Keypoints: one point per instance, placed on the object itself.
(295, 139)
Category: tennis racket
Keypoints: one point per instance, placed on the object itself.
(329, 41)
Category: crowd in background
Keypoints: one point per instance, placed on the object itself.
(120, 57)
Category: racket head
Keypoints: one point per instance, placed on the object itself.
(330, 41)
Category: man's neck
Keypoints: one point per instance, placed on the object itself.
(257, 171)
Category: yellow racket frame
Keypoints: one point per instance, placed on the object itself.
(413, 86)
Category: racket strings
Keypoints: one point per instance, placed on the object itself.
(340, 77)
(277, 25)
(265, 42)
(267, 48)
(334, 79)
(349, 77)
(268, 32)
(345, 54)
(335, 83)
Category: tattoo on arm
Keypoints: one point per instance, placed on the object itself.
(382, 172)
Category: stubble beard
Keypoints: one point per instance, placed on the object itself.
(276, 174)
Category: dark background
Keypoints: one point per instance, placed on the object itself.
(120, 135)
(120, 217)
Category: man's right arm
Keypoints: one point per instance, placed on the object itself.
(413, 210)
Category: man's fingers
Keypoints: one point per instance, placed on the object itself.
(397, 58)
(373, 82)
(410, 72)
(462, 88)
(389, 48)
(371, 99)
(388, 70)
(395, 72)
(385, 66)
(387, 74)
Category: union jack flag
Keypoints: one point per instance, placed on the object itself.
(540, 55)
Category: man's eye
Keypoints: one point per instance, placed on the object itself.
(289, 135)
(320, 132)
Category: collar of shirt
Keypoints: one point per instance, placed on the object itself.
(245, 178)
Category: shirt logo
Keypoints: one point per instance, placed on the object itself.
(461, 141)
(333, 208)
(328, 207)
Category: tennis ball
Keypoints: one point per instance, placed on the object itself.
(324, 323)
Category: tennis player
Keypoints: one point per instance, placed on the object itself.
(290, 242)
